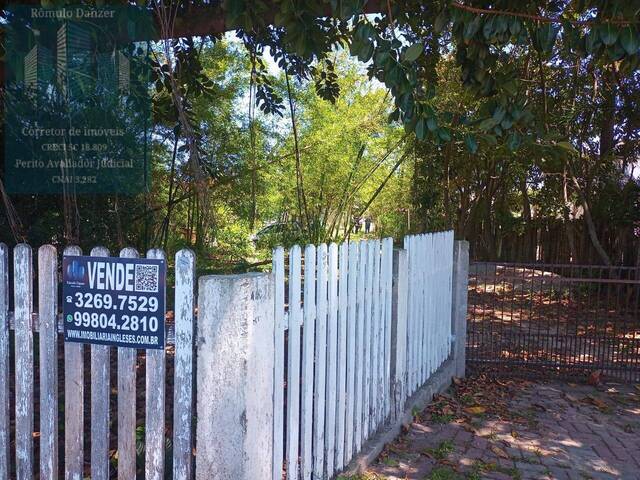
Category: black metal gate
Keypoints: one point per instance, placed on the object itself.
(561, 319)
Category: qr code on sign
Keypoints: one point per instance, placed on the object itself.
(147, 278)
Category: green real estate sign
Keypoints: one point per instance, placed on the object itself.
(77, 103)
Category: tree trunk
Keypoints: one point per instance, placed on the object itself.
(591, 228)
(567, 219)
(608, 116)
(529, 245)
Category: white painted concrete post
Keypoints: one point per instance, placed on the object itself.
(235, 377)
(459, 304)
(399, 331)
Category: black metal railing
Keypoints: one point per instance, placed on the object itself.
(554, 318)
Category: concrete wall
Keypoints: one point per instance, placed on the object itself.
(235, 377)
(459, 304)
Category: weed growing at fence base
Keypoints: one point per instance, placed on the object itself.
(442, 451)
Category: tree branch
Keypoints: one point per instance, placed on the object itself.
(539, 18)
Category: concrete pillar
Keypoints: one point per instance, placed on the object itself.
(399, 331)
(235, 363)
(459, 304)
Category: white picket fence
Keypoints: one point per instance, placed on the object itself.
(430, 271)
(337, 329)
(48, 325)
(358, 329)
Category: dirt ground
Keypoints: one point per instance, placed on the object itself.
(570, 321)
(487, 428)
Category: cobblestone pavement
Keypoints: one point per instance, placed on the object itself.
(525, 431)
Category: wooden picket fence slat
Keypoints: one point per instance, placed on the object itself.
(74, 403)
(332, 359)
(320, 360)
(155, 405)
(278, 370)
(100, 391)
(308, 336)
(426, 318)
(436, 279)
(409, 324)
(48, 339)
(368, 339)
(352, 284)
(183, 383)
(293, 377)
(358, 411)
(4, 362)
(422, 319)
(374, 293)
(341, 406)
(127, 402)
(23, 305)
(387, 286)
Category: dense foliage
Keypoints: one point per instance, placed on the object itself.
(515, 123)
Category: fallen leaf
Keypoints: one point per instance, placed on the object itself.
(396, 448)
(539, 407)
(514, 434)
(475, 410)
(447, 410)
(571, 398)
(595, 377)
(499, 452)
(597, 402)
